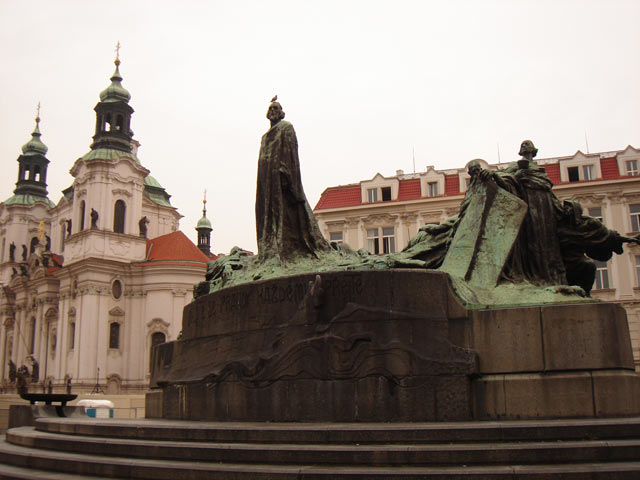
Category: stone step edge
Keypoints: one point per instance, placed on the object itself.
(347, 433)
(12, 472)
(125, 468)
(395, 454)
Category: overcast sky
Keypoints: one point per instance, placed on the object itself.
(365, 83)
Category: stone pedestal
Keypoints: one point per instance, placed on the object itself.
(389, 345)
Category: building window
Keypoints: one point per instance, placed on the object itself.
(634, 213)
(118, 216)
(373, 241)
(602, 275)
(388, 240)
(83, 211)
(156, 339)
(114, 335)
(335, 237)
(596, 213)
(638, 270)
(632, 168)
(574, 174)
(388, 244)
(432, 189)
(386, 194)
(116, 289)
(72, 335)
(372, 195)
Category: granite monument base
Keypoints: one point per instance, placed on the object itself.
(389, 346)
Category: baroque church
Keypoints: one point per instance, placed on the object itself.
(91, 283)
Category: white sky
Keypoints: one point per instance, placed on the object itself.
(363, 82)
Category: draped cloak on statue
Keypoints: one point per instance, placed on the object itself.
(286, 227)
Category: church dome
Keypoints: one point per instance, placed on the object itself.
(203, 223)
(115, 92)
(35, 145)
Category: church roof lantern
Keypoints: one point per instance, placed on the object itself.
(113, 115)
(35, 145)
(115, 92)
(204, 222)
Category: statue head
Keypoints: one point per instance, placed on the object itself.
(528, 150)
(474, 168)
(275, 113)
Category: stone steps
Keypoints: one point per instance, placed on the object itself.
(430, 432)
(334, 454)
(72, 465)
(557, 449)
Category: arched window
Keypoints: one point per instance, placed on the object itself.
(119, 122)
(114, 335)
(156, 339)
(37, 174)
(83, 208)
(118, 216)
(109, 121)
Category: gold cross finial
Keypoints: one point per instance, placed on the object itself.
(117, 62)
(38, 114)
(204, 203)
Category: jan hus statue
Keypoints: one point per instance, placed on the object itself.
(286, 227)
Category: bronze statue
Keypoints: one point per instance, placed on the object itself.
(285, 225)
(35, 369)
(555, 242)
(22, 380)
(12, 252)
(142, 224)
(12, 371)
(24, 253)
(94, 218)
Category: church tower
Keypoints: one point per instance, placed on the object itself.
(204, 229)
(32, 170)
(113, 115)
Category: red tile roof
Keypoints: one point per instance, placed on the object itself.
(609, 168)
(409, 189)
(350, 195)
(553, 172)
(175, 247)
(344, 196)
(452, 184)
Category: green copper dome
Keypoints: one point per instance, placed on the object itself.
(115, 92)
(203, 223)
(35, 145)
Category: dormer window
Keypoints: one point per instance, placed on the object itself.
(576, 173)
(632, 168)
(587, 172)
(432, 189)
(372, 195)
(386, 194)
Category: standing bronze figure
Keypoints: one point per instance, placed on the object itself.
(286, 227)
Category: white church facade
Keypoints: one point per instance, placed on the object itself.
(91, 283)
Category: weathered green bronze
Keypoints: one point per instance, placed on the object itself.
(512, 243)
